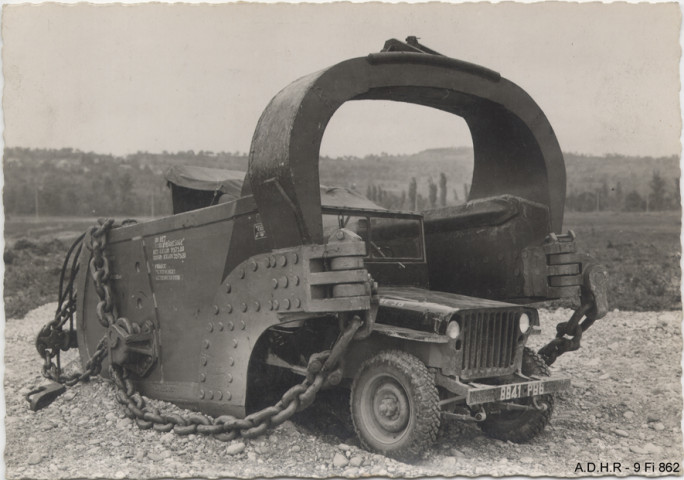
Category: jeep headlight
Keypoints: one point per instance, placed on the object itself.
(453, 330)
(524, 323)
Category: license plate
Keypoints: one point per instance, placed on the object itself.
(479, 394)
(520, 390)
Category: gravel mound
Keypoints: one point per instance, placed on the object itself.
(625, 406)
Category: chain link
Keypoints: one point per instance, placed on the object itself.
(53, 338)
(568, 335)
(323, 368)
(593, 305)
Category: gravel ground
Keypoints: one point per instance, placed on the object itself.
(625, 406)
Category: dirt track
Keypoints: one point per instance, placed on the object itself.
(625, 407)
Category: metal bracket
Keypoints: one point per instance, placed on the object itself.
(478, 416)
(369, 322)
(514, 406)
(132, 347)
(44, 395)
(594, 290)
(56, 339)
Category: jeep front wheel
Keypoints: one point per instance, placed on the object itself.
(395, 405)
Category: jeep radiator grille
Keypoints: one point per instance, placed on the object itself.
(489, 342)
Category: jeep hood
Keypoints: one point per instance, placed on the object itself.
(424, 309)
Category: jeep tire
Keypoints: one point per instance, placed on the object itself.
(395, 405)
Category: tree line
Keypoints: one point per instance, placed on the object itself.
(410, 199)
(661, 195)
(87, 185)
(72, 182)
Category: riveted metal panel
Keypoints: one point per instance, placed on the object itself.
(133, 295)
(260, 292)
(162, 271)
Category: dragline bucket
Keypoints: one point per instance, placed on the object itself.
(518, 184)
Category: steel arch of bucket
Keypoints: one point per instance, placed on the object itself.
(515, 149)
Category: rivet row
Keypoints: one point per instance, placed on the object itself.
(210, 394)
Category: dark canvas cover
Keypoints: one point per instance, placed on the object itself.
(195, 187)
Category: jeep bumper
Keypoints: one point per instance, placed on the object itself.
(536, 386)
(521, 387)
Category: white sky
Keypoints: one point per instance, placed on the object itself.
(123, 78)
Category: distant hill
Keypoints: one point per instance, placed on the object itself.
(68, 181)
(394, 172)
(584, 173)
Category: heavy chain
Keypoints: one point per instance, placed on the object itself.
(99, 271)
(53, 338)
(323, 367)
(568, 336)
(593, 305)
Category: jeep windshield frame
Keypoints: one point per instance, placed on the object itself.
(407, 226)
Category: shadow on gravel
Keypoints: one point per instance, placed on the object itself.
(328, 418)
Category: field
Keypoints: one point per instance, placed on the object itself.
(33, 256)
(640, 250)
(43, 229)
(642, 253)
